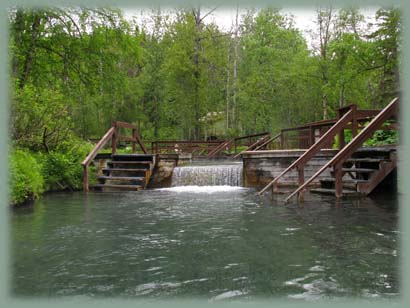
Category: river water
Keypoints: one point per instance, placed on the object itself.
(210, 242)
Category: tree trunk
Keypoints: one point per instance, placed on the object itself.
(228, 94)
(235, 75)
(30, 51)
(197, 15)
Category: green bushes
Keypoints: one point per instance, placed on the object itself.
(60, 169)
(26, 180)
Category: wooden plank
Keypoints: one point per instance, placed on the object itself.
(98, 146)
(124, 124)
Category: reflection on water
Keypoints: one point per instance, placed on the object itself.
(216, 245)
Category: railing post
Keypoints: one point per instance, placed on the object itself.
(134, 140)
(281, 140)
(311, 135)
(114, 139)
(341, 133)
(338, 180)
(354, 121)
(85, 178)
(301, 181)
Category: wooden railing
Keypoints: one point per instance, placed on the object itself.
(247, 140)
(114, 134)
(345, 153)
(267, 142)
(258, 143)
(184, 146)
(304, 136)
(313, 150)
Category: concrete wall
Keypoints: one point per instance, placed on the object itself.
(260, 167)
(162, 173)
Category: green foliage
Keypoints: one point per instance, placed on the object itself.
(62, 168)
(383, 137)
(40, 118)
(26, 180)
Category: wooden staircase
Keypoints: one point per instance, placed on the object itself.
(361, 173)
(126, 172)
(355, 171)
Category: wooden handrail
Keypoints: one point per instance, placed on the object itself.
(124, 124)
(98, 146)
(339, 125)
(268, 141)
(220, 148)
(250, 147)
(251, 136)
(345, 153)
(86, 162)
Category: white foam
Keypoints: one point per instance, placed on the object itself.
(202, 189)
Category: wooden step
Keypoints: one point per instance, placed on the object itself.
(365, 160)
(124, 169)
(122, 178)
(331, 191)
(353, 181)
(133, 157)
(123, 162)
(129, 164)
(118, 187)
(359, 170)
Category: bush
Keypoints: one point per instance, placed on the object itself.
(26, 181)
(383, 137)
(62, 168)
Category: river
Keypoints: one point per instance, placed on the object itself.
(210, 242)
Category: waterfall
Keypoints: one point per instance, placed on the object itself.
(208, 175)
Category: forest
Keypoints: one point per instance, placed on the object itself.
(75, 70)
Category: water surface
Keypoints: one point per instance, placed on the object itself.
(220, 245)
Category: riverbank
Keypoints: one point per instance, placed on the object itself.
(33, 173)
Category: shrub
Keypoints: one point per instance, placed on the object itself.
(62, 168)
(26, 181)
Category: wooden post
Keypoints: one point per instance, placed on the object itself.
(354, 121)
(114, 139)
(301, 181)
(311, 135)
(282, 140)
(338, 180)
(85, 178)
(134, 140)
(341, 133)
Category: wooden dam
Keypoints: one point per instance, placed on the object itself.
(314, 156)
